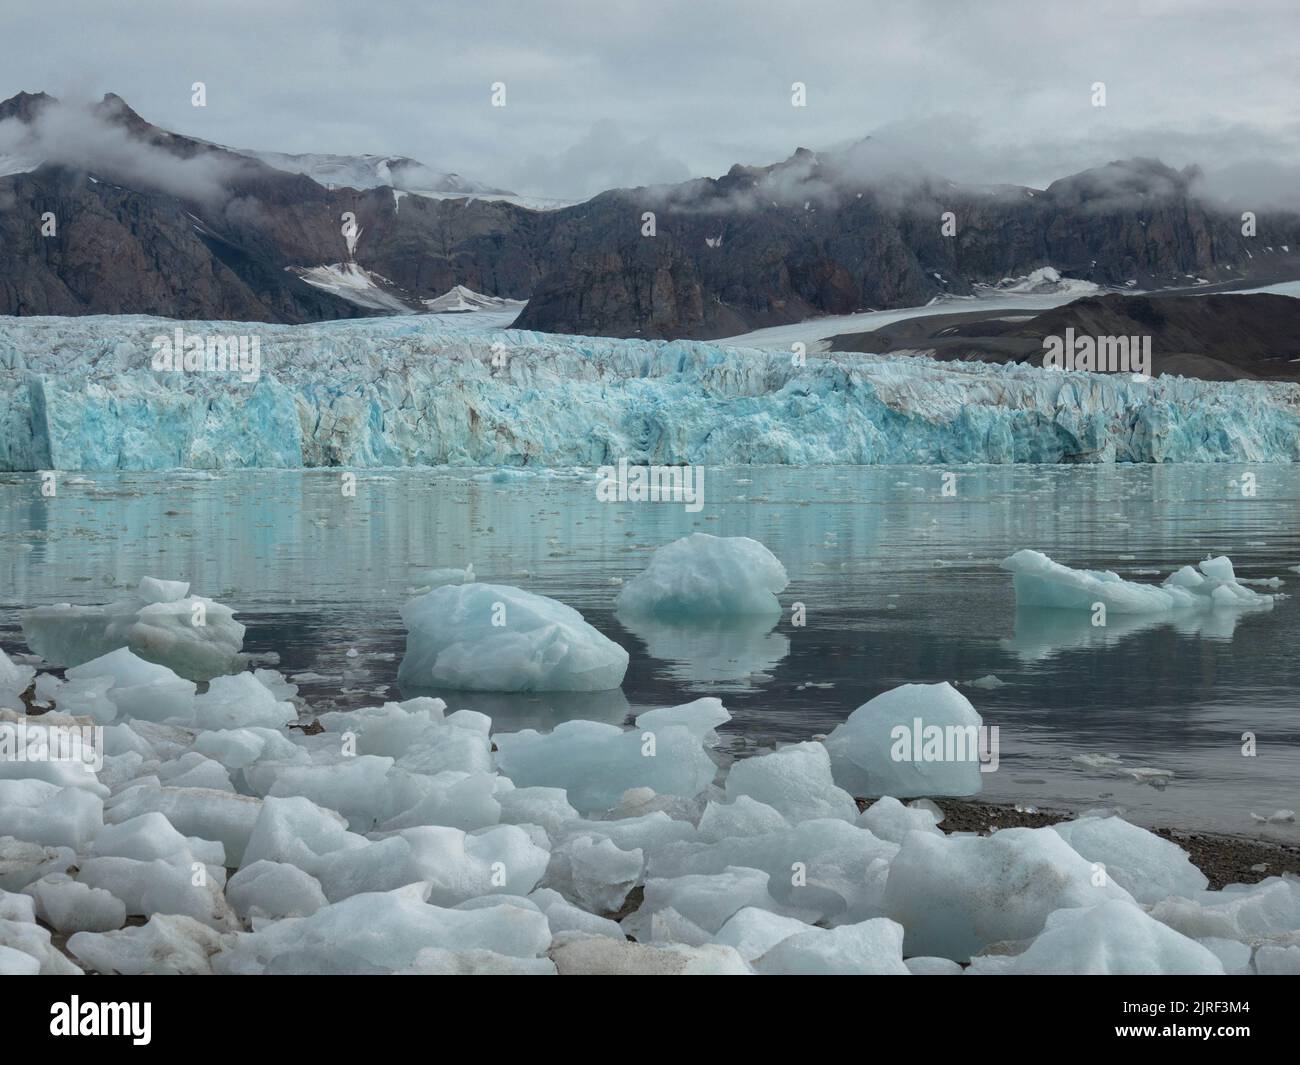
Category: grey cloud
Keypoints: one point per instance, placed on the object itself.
(75, 136)
(982, 93)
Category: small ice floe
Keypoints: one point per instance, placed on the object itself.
(1212, 585)
(1277, 817)
(988, 682)
(1113, 766)
(437, 578)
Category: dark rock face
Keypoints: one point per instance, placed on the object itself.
(782, 261)
(757, 247)
(1213, 337)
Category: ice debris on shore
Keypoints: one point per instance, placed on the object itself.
(405, 838)
(1212, 585)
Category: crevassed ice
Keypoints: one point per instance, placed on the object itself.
(79, 393)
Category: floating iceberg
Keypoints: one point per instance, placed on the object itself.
(1040, 582)
(703, 576)
(161, 622)
(78, 393)
(492, 637)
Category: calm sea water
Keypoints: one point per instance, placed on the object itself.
(899, 584)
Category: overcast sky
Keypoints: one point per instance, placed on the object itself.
(603, 93)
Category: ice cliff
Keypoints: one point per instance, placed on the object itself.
(80, 393)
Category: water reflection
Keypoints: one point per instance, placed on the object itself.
(718, 654)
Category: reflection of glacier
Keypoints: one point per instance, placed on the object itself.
(726, 654)
(78, 393)
(1041, 632)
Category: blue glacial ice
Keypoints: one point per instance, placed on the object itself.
(80, 393)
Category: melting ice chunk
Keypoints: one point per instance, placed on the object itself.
(706, 576)
(196, 637)
(493, 637)
(1040, 582)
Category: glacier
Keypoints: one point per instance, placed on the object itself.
(80, 394)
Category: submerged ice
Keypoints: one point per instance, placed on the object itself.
(79, 393)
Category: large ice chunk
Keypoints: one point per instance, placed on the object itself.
(825, 868)
(38, 811)
(1040, 582)
(890, 819)
(240, 701)
(1148, 867)
(703, 576)
(596, 763)
(918, 739)
(67, 905)
(956, 895)
(707, 901)
(384, 932)
(192, 635)
(273, 890)
(595, 872)
(1113, 938)
(1248, 913)
(140, 689)
(168, 945)
(492, 637)
(202, 812)
(873, 947)
(795, 780)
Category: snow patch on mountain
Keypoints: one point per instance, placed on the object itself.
(1046, 280)
(354, 284)
(461, 300)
